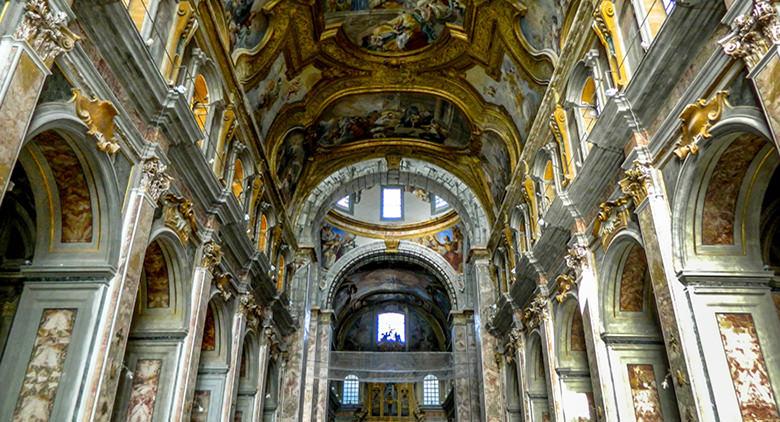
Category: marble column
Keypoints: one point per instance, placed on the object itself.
(462, 353)
(263, 359)
(492, 400)
(117, 314)
(643, 184)
(582, 262)
(324, 339)
(234, 360)
(187, 373)
(25, 60)
(755, 38)
(550, 355)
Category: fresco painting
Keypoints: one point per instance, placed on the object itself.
(542, 22)
(748, 368)
(335, 243)
(496, 165)
(74, 196)
(398, 115)
(45, 367)
(146, 378)
(246, 23)
(156, 275)
(277, 90)
(291, 160)
(512, 91)
(448, 243)
(392, 26)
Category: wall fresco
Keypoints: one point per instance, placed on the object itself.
(632, 281)
(447, 243)
(644, 392)
(335, 243)
(74, 196)
(542, 22)
(394, 25)
(45, 367)
(496, 165)
(209, 332)
(511, 91)
(156, 276)
(246, 23)
(720, 200)
(748, 368)
(146, 378)
(278, 90)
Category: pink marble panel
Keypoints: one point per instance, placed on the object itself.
(45, 367)
(632, 281)
(157, 279)
(200, 406)
(146, 379)
(776, 299)
(748, 369)
(209, 332)
(577, 336)
(644, 393)
(720, 200)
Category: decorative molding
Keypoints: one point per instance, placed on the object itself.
(696, 121)
(577, 258)
(154, 179)
(179, 216)
(560, 131)
(391, 245)
(98, 115)
(401, 231)
(222, 283)
(753, 34)
(45, 30)
(212, 255)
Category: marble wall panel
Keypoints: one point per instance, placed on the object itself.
(157, 279)
(200, 406)
(146, 379)
(45, 367)
(776, 299)
(72, 189)
(748, 368)
(632, 281)
(720, 199)
(644, 393)
(209, 343)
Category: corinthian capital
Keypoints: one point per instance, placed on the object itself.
(212, 255)
(45, 30)
(154, 178)
(753, 33)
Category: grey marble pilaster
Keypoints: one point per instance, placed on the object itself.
(231, 378)
(263, 355)
(492, 400)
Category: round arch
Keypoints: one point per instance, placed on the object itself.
(413, 172)
(407, 252)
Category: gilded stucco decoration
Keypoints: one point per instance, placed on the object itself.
(179, 216)
(696, 120)
(606, 27)
(212, 255)
(98, 115)
(566, 284)
(535, 312)
(613, 217)
(154, 178)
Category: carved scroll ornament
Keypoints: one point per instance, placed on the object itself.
(696, 121)
(98, 115)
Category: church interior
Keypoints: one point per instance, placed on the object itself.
(390, 210)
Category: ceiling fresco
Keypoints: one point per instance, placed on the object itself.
(330, 83)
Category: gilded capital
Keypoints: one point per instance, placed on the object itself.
(535, 312)
(212, 255)
(179, 216)
(46, 31)
(636, 182)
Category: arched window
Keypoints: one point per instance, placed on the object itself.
(430, 390)
(351, 390)
(262, 234)
(280, 274)
(200, 101)
(238, 179)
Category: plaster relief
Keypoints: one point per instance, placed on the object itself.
(748, 369)
(146, 379)
(45, 367)
(644, 392)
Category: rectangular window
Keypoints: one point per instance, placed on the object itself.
(346, 204)
(351, 388)
(391, 327)
(392, 203)
(430, 391)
